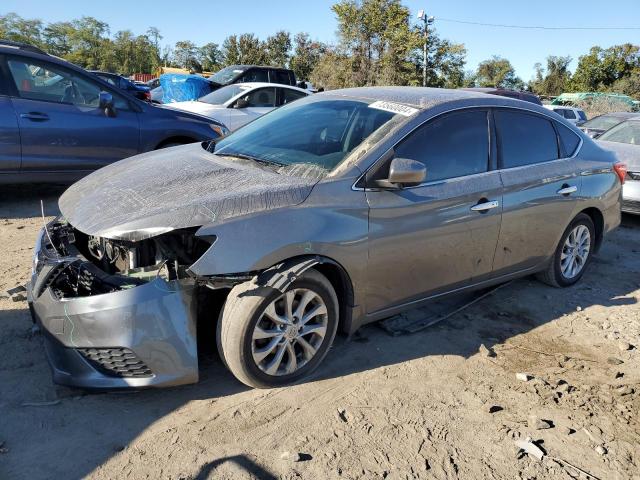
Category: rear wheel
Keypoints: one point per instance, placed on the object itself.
(268, 338)
(572, 255)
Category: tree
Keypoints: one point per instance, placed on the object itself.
(243, 49)
(15, 28)
(211, 57)
(305, 56)
(553, 80)
(445, 63)
(498, 72)
(56, 38)
(277, 48)
(185, 55)
(601, 68)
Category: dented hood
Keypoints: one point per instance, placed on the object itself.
(180, 187)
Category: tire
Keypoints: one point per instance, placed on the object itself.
(554, 274)
(244, 316)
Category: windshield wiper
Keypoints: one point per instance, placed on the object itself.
(255, 159)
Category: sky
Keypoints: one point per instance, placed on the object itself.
(213, 20)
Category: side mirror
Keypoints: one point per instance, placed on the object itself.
(403, 172)
(241, 103)
(106, 104)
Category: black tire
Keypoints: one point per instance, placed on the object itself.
(242, 311)
(553, 274)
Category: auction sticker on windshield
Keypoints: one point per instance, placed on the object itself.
(394, 108)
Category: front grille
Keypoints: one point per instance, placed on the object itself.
(116, 362)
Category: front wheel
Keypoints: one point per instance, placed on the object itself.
(269, 339)
(573, 253)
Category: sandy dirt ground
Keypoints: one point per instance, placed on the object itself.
(431, 405)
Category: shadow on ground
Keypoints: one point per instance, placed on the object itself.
(23, 201)
(76, 436)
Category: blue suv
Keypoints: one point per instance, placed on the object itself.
(59, 122)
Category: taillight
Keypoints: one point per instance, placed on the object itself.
(147, 96)
(621, 170)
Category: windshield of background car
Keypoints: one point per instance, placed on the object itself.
(603, 122)
(222, 95)
(318, 133)
(226, 74)
(626, 132)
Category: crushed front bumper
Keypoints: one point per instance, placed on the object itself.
(144, 336)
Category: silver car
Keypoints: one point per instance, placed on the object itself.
(624, 141)
(334, 211)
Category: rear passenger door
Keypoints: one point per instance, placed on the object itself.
(541, 187)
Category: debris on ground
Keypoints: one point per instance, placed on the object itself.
(486, 352)
(295, 456)
(538, 423)
(493, 408)
(614, 361)
(17, 294)
(524, 377)
(527, 446)
(624, 346)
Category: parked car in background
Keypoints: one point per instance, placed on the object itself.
(624, 141)
(59, 122)
(236, 74)
(142, 92)
(572, 114)
(253, 73)
(600, 124)
(238, 104)
(504, 92)
(333, 211)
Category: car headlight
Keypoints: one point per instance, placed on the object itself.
(221, 130)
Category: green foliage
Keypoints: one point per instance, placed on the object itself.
(553, 80)
(601, 69)
(497, 72)
(306, 55)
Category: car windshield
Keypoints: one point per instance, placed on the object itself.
(222, 95)
(626, 132)
(315, 132)
(603, 122)
(227, 74)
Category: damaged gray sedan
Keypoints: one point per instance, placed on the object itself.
(334, 211)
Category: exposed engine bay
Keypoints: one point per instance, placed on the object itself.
(99, 265)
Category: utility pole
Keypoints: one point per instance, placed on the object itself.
(428, 20)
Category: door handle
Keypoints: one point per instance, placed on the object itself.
(483, 207)
(567, 190)
(35, 116)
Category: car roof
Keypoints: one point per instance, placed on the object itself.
(425, 98)
(267, 84)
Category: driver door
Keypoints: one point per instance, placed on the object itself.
(61, 126)
(251, 106)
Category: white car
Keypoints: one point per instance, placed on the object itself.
(237, 104)
(574, 115)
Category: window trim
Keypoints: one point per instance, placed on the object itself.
(559, 150)
(495, 168)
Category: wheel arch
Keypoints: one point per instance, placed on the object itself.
(598, 223)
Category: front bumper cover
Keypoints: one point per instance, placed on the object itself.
(143, 336)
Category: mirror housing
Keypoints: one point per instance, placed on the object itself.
(241, 103)
(403, 172)
(106, 104)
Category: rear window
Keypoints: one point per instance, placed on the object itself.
(569, 139)
(524, 139)
(582, 116)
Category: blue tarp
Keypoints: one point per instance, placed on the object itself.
(177, 87)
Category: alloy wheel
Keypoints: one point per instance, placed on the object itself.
(575, 251)
(289, 332)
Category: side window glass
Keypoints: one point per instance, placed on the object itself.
(46, 82)
(262, 97)
(524, 139)
(281, 76)
(453, 145)
(255, 75)
(569, 139)
(569, 114)
(291, 95)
